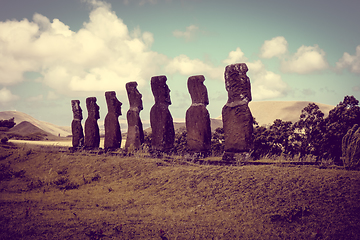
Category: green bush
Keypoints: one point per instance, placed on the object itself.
(7, 123)
(351, 148)
(30, 137)
(217, 142)
(4, 139)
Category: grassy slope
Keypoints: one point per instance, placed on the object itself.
(135, 197)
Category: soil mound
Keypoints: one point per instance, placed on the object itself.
(45, 126)
(26, 128)
(28, 131)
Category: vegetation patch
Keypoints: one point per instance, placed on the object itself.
(81, 195)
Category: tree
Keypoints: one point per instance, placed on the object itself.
(310, 128)
(351, 148)
(278, 139)
(343, 117)
(217, 142)
(180, 143)
(261, 146)
(7, 123)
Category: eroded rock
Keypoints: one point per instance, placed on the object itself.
(92, 135)
(76, 127)
(197, 117)
(135, 134)
(112, 126)
(236, 115)
(161, 121)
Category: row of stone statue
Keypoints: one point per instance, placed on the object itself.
(236, 116)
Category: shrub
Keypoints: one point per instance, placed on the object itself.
(351, 148)
(180, 143)
(217, 142)
(7, 123)
(342, 118)
(4, 139)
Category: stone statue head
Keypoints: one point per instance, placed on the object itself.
(113, 104)
(134, 96)
(237, 83)
(77, 111)
(197, 89)
(92, 107)
(160, 90)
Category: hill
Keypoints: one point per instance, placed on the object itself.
(45, 126)
(62, 195)
(27, 131)
(266, 112)
(25, 128)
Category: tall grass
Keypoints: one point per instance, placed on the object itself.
(64, 195)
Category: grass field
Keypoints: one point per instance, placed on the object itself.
(50, 194)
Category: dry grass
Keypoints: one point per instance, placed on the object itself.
(47, 194)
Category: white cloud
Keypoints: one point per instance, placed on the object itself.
(236, 56)
(265, 84)
(98, 3)
(307, 59)
(186, 66)
(35, 98)
(52, 96)
(189, 34)
(6, 96)
(275, 47)
(351, 62)
(102, 55)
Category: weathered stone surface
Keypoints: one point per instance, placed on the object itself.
(161, 121)
(135, 135)
(112, 126)
(197, 117)
(92, 135)
(236, 115)
(76, 127)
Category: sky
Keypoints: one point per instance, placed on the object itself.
(53, 51)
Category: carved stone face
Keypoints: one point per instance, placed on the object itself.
(237, 83)
(113, 104)
(160, 90)
(97, 111)
(77, 111)
(138, 99)
(197, 89)
(117, 107)
(135, 97)
(92, 107)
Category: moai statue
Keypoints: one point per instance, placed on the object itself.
(76, 127)
(92, 135)
(198, 118)
(236, 115)
(161, 121)
(112, 126)
(135, 135)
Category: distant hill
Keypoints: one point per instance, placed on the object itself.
(45, 126)
(25, 128)
(266, 112)
(28, 131)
